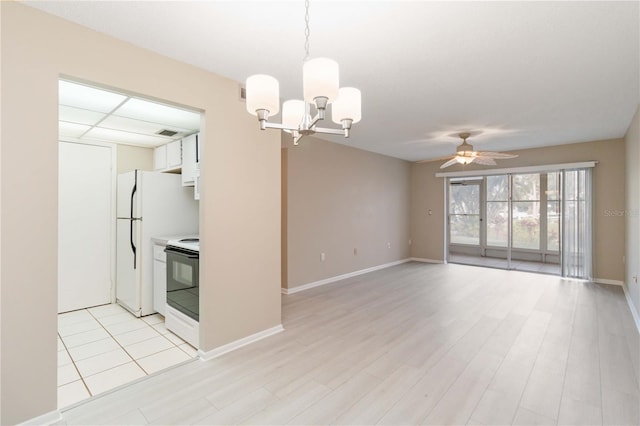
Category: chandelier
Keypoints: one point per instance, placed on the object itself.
(320, 81)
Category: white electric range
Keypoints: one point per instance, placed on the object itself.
(183, 288)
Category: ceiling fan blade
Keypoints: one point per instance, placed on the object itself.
(428, 160)
(485, 161)
(449, 163)
(498, 155)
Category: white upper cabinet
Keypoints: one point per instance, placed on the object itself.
(160, 157)
(168, 157)
(174, 154)
(189, 159)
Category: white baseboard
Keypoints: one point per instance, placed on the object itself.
(221, 350)
(284, 291)
(342, 277)
(632, 308)
(45, 419)
(423, 260)
(609, 282)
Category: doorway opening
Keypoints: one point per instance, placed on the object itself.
(128, 183)
(535, 222)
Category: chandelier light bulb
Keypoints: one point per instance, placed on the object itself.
(293, 112)
(320, 79)
(348, 106)
(263, 93)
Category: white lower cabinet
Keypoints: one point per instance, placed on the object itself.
(159, 279)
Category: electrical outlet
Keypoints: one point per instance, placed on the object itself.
(355, 251)
(409, 242)
(322, 257)
(388, 245)
(635, 279)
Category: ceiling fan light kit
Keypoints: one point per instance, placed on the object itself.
(465, 154)
(321, 87)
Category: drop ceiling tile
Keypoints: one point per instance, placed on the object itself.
(157, 113)
(73, 130)
(78, 115)
(89, 98)
(118, 136)
(139, 126)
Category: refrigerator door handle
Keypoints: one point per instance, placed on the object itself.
(131, 219)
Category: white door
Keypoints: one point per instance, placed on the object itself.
(85, 226)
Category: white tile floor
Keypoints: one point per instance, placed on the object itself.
(105, 347)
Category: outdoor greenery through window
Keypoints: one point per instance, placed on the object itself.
(526, 211)
(497, 210)
(553, 211)
(535, 211)
(464, 213)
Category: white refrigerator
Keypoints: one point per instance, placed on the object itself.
(150, 204)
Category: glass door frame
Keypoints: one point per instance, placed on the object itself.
(482, 246)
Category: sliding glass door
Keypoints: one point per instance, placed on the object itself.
(464, 213)
(522, 221)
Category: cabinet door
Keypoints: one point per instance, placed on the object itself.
(189, 147)
(160, 157)
(174, 154)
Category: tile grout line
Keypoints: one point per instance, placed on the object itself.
(112, 336)
(74, 366)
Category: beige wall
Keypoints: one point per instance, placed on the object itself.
(134, 157)
(427, 232)
(240, 178)
(340, 199)
(632, 210)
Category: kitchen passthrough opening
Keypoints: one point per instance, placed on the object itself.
(128, 197)
(531, 221)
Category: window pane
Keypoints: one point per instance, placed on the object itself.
(526, 225)
(553, 225)
(497, 223)
(526, 187)
(497, 188)
(464, 199)
(465, 229)
(553, 186)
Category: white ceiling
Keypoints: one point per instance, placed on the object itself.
(94, 114)
(515, 74)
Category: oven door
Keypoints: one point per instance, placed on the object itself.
(182, 281)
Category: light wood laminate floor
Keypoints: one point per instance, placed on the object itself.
(412, 344)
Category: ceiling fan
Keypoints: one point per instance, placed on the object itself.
(465, 155)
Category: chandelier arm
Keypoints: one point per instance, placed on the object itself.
(270, 125)
(315, 119)
(340, 132)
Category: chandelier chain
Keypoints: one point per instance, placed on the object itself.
(306, 30)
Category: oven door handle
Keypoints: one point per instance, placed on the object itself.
(182, 254)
